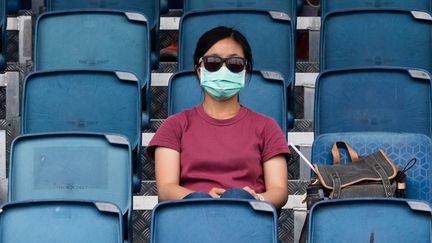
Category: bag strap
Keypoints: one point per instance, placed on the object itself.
(336, 155)
(381, 172)
(336, 181)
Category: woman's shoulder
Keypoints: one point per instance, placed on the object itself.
(259, 117)
(181, 118)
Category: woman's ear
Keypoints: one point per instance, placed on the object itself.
(198, 71)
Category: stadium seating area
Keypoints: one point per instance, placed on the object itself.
(96, 89)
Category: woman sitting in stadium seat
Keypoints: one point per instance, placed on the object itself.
(221, 148)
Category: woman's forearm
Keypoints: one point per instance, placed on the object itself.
(172, 192)
(276, 196)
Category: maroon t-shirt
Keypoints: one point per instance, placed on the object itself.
(221, 153)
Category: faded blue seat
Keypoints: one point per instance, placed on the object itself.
(364, 38)
(85, 101)
(338, 5)
(290, 7)
(400, 148)
(83, 40)
(264, 92)
(214, 220)
(278, 56)
(72, 166)
(60, 221)
(370, 220)
(150, 8)
(3, 38)
(373, 99)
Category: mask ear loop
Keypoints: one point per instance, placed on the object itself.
(248, 73)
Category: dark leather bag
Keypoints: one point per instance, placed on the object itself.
(373, 175)
(370, 176)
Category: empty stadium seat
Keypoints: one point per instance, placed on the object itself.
(364, 38)
(264, 92)
(214, 220)
(60, 221)
(400, 148)
(72, 166)
(338, 5)
(84, 101)
(84, 40)
(286, 6)
(272, 46)
(150, 8)
(370, 220)
(3, 39)
(373, 99)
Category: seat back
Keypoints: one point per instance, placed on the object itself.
(400, 148)
(370, 220)
(289, 7)
(364, 38)
(341, 5)
(264, 92)
(84, 101)
(60, 221)
(373, 99)
(83, 40)
(150, 8)
(214, 220)
(71, 167)
(3, 38)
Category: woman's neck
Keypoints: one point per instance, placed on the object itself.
(221, 110)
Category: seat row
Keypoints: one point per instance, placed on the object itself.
(62, 166)
(375, 67)
(374, 92)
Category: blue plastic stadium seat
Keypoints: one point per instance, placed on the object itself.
(373, 99)
(286, 6)
(72, 166)
(360, 38)
(84, 40)
(400, 148)
(150, 8)
(338, 5)
(60, 221)
(267, 53)
(264, 92)
(370, 220)
(84, 101)
(3, 19)
(214, 220)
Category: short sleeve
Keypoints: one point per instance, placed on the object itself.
(274, 142)
(168, 135)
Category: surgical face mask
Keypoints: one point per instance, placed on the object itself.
(222, 84)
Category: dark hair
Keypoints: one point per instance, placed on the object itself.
(212, 36)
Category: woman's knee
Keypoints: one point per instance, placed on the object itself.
(237, 193)
(195, 195)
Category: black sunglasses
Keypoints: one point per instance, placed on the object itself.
(214, 63)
